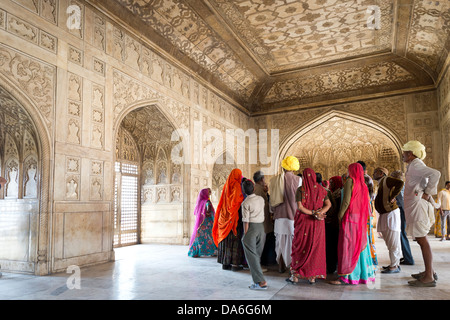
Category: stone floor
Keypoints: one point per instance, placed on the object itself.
(165, 272)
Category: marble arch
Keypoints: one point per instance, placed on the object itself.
(41, 264)
(137, 105)
(162, 206)
(300, 131)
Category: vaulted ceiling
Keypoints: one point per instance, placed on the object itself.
(274, 55)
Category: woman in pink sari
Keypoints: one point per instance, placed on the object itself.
(355, 264)
(308, 246)
(202, 242)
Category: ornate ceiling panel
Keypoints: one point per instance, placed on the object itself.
(285, 35)
(269, 55)
(428, 41)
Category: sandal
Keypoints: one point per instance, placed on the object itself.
(257, 286)
(420, 275)
(420, 284)
(289, 280)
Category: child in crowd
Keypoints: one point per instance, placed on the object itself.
(253, 220)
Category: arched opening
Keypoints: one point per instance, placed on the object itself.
(23, 163)
(333, 141)
(148, 185)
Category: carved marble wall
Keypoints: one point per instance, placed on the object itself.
(81, 74)
(444, 121)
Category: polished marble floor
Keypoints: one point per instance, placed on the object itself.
(165, 272)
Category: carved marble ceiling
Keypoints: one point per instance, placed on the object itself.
(273, 55)
(150, 130)
(14, 120)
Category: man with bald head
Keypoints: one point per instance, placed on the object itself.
(389, 222)
(420, 184)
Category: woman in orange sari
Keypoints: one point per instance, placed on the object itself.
(228, 228)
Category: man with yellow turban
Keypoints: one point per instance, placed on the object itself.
(420, 184)
(283, 205)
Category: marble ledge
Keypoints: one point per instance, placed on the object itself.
(75, 206)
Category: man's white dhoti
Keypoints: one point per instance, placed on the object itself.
(389, 224)
(284, 233)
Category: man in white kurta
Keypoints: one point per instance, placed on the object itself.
(420, 184)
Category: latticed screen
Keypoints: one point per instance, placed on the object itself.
(126, 211)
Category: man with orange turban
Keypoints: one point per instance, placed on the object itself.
(282, 202)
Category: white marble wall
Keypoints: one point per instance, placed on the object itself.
(78, 84)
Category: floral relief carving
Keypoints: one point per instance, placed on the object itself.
(96, 188)
(72, 187)
(128, 90)
(338, 81)
(22, 29)
(36, 78)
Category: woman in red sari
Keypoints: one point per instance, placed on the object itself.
(308, 245)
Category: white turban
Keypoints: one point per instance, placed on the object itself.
(416, 148)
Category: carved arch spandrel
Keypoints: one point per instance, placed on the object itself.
(306, 127)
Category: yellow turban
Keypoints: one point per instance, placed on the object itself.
(290, 163)
(416, 148)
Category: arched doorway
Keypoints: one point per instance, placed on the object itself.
(151, 192)
(24, 162)
(333, 141)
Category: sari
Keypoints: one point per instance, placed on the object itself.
(202, 243)
(308, 245)
(227, 216)
(228, 227)
(355, 263)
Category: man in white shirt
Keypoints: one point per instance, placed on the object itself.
(443, 200)
(420, 184)
(254, 235)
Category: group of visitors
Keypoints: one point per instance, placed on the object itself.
(313, 228)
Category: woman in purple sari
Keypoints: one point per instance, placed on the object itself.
(202, 243)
